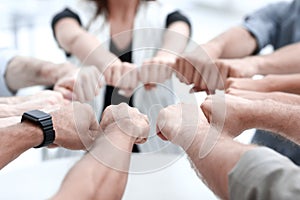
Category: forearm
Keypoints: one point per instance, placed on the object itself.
(277, 117)
(16, 139)
(175, 39)
(216, 165)
(283, 83)
(234, 43)
(30, 71)
(282, 61)
(86, 47)
(105, 165)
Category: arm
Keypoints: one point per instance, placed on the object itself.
(37, 72)
(77, 41)
(237, 42)
(282, 97)
(242, 114)
(72, 132)
(187, 127)
(107, 163)
(17, 139)
(178, 29)
(270, 83)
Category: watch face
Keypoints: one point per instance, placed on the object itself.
(37, 114)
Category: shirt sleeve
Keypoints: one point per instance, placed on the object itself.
(264, 174)
(6, 55)
(263, 24)
(177, 16)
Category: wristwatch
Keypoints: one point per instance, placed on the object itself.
(44, 121)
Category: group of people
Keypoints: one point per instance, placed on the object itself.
(140, 44)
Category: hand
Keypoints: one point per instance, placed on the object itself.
(156, 70)
(229, 114)
(123, 76)
(197, 68)
(261, 85)
(80, 84)
(76, 126)
(181, 123)
(126, 120)
(239, 68)
(47, 99)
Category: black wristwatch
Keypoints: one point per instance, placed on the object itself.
(44, 121)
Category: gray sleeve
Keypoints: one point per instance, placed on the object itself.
(263, 24)
(264, 174)
(6, 55)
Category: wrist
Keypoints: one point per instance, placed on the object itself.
(166, 54)
(119, 138)
(257, 64)
(31, 133)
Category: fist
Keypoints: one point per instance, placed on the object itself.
(228, 114)
(126, 120)
(156, 70)
(180, 123)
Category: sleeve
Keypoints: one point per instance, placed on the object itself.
(175, 17)
(66, 13)
(263, 24)
(6, 55)
(264, 174)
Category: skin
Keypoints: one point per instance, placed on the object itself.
(271, 83)
(72, 132)
(215, 166)
(229, 55)
(63, 76)
(16, 106)
(76, 40)
(282, 97)
(198, 67)
(245, 114)
(97, 171)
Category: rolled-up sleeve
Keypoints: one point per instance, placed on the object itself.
(264, 23)
(264, 174)
(6, 55)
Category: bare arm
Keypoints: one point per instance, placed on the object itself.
(213, 157)
(74, 39)
(107, 162)
(237, 42)
(30, 71)
(282, 97)
(179, 32)
(97, 173)
(241, 114)
(16, 139)
(271, 83)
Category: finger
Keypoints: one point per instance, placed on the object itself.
(162, 136)
(188, 73)
(67, 94)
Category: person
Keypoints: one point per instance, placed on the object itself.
(107, 161)
(69, 126)
(231, 169)
(31, 71)
(128, 34)
(232, 54)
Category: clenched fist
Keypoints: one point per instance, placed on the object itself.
(126, 120)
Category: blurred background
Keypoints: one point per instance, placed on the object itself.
(25, 26)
